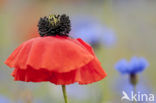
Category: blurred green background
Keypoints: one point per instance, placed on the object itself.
(133, 23)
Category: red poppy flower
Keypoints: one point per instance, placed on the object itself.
(55, 57)
(58, 59)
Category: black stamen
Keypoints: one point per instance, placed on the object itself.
(50, 27)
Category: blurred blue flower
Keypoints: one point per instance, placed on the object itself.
(87, 29)
(4, 99)
(134, 66)
(92, 31)
(108, 38)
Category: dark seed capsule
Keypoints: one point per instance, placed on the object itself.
(55, 25)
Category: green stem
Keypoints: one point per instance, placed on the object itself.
(134, 81)
(134, 87)
(64, 93)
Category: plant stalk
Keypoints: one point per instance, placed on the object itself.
(64, 93)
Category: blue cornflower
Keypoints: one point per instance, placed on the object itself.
(92, 31)
(134, 66)
(87, 28)
(108, 38)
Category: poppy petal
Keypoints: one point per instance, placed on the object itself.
(53, 53)
(90, 73)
